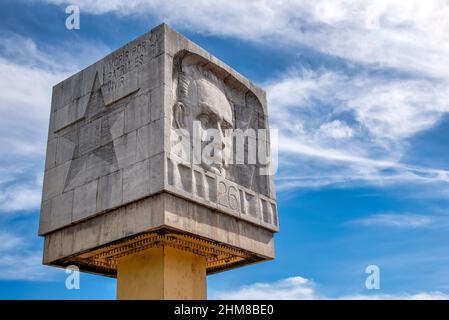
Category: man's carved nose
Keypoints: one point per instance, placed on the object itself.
(222, 137)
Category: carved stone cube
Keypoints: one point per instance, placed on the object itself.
(125, 168)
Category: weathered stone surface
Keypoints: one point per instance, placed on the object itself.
(150, 140)
(110, 190)
(137, 114)
(85, 200)
(126, 149)
(151, 213)
(50, 158)
(158, 97)
(157, 178)
(61, 210)
(136, 181)
(45, 217)
(66, 146)
(113, 169)
(54, 180)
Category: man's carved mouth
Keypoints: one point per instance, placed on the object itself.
(217, 168)
(214, 167)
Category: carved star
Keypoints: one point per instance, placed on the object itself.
(94, 153)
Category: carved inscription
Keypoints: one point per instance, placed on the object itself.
(123, 62)
(120, 70)
(201, 185)
(228, 195)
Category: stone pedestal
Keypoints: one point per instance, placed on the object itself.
(162, 273)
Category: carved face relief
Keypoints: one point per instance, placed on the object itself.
(224, 119)
(213, 111)
(203, 109)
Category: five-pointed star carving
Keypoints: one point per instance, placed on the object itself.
(93, 153)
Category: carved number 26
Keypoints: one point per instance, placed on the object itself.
(228, 196)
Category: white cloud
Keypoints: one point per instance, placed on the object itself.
(405, 220)
(335, 129)
(386, 108)
(290, 288)
(398, 220)
(409, 35)
(9, 241)
(339, 129)
(23, 266)
(299, 288)
(433, 295)
(18, 261)
(26, 100)
(313, 108)
(20, 197)
(28, 75)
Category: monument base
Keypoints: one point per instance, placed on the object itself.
(102, 256)
(161, 273)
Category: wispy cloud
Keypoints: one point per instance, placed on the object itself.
(340, 127)
(409, 35)
(28, 75)
(299, 288)
(19, 261)
(21, 196)
(432, 295)
(9, 241)
(23, 266)
(404, 220)
(23, 133)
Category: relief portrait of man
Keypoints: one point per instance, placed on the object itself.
(202, 109)
(204, 113)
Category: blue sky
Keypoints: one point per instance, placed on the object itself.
(359, 92)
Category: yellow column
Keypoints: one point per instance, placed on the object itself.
(161, 274)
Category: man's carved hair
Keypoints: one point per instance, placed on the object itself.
(193, 72)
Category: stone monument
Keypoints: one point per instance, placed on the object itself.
(128, 191)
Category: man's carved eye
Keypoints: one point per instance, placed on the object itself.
(204, 119)
(226, 125)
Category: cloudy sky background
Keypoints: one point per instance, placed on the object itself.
(359, 91)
